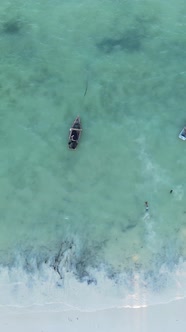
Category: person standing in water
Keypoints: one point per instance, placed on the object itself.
(146, 206)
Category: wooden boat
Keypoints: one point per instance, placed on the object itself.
(182, 134)
(75, 133)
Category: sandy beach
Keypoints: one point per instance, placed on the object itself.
(170, 317)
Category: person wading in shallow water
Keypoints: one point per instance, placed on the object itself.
(146, 206)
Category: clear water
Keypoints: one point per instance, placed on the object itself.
(73, 227)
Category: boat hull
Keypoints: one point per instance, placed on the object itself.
(75, 134)
(182, 134)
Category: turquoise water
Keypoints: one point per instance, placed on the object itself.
(76, 219)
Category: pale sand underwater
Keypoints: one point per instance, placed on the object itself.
(75, 221)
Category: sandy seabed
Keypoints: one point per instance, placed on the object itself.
(163, 317)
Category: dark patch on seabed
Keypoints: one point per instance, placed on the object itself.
(65, 259)
(130, 40)
(12, 27)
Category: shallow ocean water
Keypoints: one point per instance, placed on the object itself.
(74, 222)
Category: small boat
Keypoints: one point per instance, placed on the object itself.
(75, 133)
(182, 134)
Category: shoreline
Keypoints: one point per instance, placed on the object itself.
(170, 316)
(29, 293)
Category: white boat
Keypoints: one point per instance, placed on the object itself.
(182, 134)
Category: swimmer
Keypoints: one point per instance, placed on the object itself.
(146, 206)
(171, 191)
